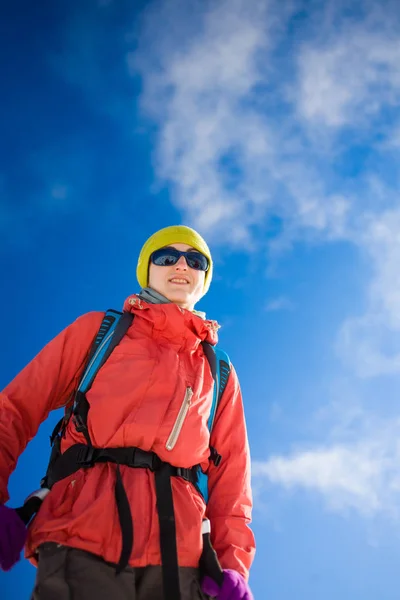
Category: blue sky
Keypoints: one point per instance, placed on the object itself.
(274, 129)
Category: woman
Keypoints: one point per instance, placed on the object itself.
(154, 393)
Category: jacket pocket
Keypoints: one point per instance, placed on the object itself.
(180, 419)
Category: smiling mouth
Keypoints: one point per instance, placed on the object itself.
(178, 281)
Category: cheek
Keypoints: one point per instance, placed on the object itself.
(154, 277)
(200, 281)
(150, 273)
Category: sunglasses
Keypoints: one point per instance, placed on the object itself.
(167, 257)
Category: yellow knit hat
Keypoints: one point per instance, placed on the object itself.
(175, 234)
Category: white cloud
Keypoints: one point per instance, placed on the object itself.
(343, 477)
(349, 76)
(392, 140)
(370, 343)
(369, 346)
(382, 242)
(351, 464)
(362, 475)
(213, 145)
(230, 162)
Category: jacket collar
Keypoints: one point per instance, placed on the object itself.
(168, 321)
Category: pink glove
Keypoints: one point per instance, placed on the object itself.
(234, 587)
(13, 535)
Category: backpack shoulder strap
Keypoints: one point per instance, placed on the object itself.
(223, 370)
(220, 368)
(112, 329)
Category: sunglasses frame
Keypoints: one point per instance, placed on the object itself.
(177, 254)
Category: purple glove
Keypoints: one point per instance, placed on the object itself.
(13, 535)
(234, 587)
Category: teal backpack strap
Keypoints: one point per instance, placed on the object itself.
(112, 329)
(223, 368)
(220, 368)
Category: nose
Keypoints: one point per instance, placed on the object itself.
(181, 264)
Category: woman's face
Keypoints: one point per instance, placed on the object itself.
(179, 283)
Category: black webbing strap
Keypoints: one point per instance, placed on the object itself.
(125, 521)
(81, 456)
(209, 563)
(168, 547)
(212, 359)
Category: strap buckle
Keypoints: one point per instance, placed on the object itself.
(146, 460)
(156, 462)
(215, 457)
(188, 474)
(84, 456)
(79, 424)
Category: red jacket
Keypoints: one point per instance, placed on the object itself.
(134, 401)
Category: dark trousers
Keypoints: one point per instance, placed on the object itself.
(69, 574)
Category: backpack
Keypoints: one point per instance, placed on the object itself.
(112, 329)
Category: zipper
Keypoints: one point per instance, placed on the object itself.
(183, 411)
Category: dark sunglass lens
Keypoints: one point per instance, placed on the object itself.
(197, 261)
(168, 260)
(164, 258)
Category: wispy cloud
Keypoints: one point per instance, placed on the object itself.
(229, 161)
(349, 77)
(371, 342)
(345, 477)
(350, 461)
(280, 303)
(362, 475)
(214, 146)
(223, 144)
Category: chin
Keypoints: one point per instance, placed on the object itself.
(178, 298)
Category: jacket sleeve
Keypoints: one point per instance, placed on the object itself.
(230, 498)
(46, 383)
